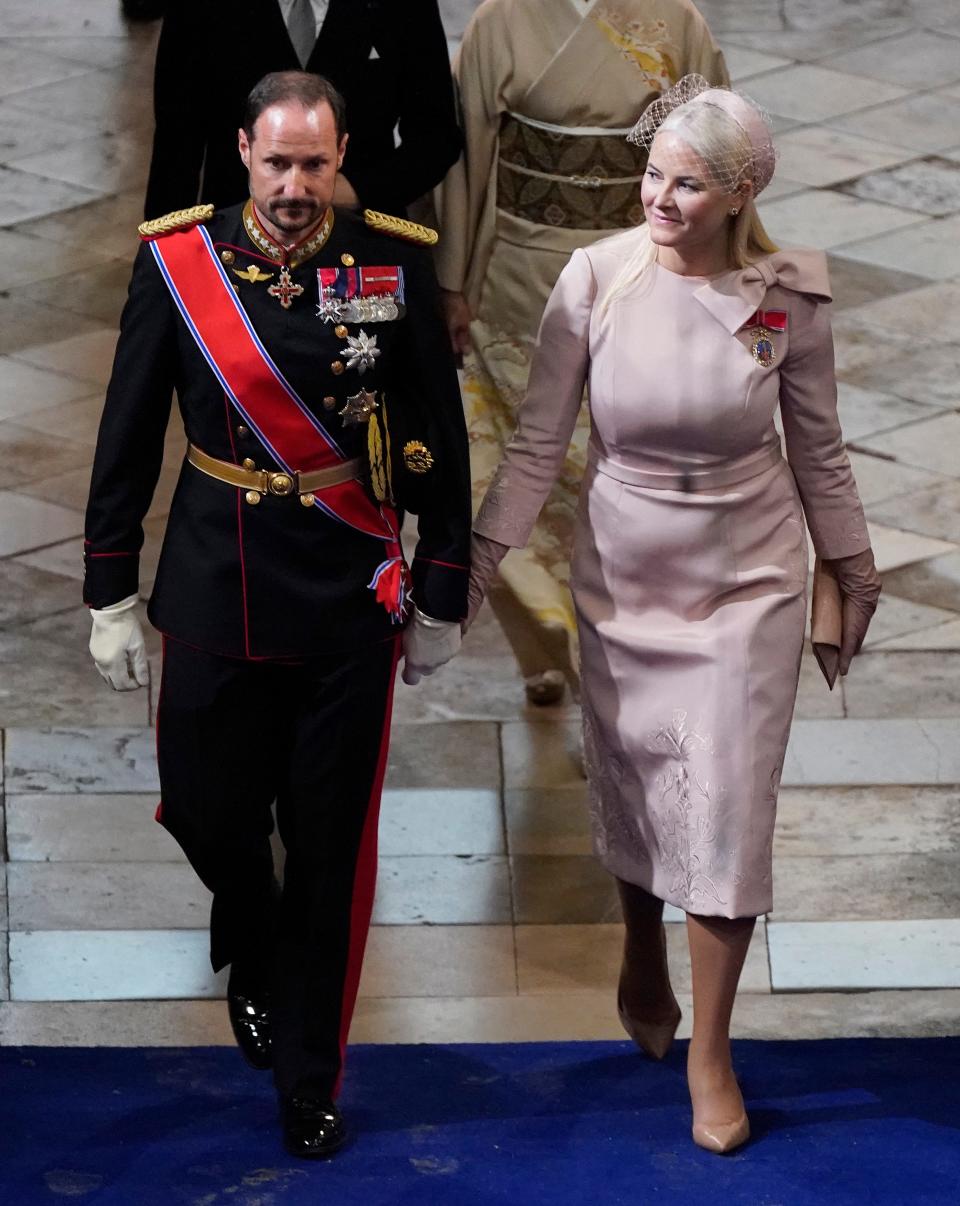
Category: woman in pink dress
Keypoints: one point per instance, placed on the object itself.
(689, 564)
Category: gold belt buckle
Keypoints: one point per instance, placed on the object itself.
(280, 484)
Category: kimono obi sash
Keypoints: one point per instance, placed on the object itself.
(576, 177)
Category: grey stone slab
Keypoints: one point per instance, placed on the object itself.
(88, 357)
(573, 958)
(28, 324)
(743, 63)
(106, 896)
(541, 754)
(864, 349)
(852, 752)
(927, 249)
(37, 689)
(922, 1013)
(107, 162)
(732, 16)
(445, 890)
(78, 420)
(927, 374)
(456, 754)
(855, 887)
(903, 684)
(68, 759)
(548, 820)
(901, 617)
(812, 44)
(865, 15)
(107, 101)
(4, 971)
(919, 123)
(825, 219)
(871, 954)
(25, 389)
(82, 828)
(943, 637)
(439, 961)
(112, 965)
(928, 315)
(562, 890)
(854, 283)
(930, 185)
(814, 699)
(28, 455)
(880, 479)
(107, 225)
(935, 582)
(22, 18)
(29, 594)
(22, 67)
(865, 412)
(866, 821)
(931, 444)
(25, 196)
(98, 292)
(819, 156)
(918, 55)
(441, 821)
(810, 93)
(199, 1023)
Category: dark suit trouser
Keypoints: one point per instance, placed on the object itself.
(235, 736)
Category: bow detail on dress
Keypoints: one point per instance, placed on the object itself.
(733, 297)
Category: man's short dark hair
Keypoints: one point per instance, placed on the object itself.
(302, 87)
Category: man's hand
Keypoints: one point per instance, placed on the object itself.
(427, 645)
(457, 313)
(343, 193)
(117, 646)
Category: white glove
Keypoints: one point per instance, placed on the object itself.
(427, 644)
(117, 646)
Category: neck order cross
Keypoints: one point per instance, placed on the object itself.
(285, 290)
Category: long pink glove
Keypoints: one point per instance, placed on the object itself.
(860, 586)
(485, 558)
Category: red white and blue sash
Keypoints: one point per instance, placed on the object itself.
(269, 404)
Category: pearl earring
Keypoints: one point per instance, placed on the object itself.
(734, 212)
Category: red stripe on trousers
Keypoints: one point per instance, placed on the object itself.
(365, 879)
(158, 815)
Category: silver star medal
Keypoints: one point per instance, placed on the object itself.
(329, 307)
(362, 351)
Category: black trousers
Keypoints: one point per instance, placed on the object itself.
(235, 736)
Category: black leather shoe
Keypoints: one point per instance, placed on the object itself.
(312, 1127)
(250, 1020)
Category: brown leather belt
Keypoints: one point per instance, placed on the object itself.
(265, 481)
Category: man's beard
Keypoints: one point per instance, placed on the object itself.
(292, 219)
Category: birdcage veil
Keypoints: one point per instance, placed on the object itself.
(752, 157)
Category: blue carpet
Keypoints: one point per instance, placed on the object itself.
(843, 1121)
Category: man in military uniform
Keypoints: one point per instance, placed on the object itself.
(320, 400)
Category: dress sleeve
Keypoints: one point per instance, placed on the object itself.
(549, 411)
(464, 199)
(815, 449)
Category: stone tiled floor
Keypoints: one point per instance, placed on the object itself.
(493, 920)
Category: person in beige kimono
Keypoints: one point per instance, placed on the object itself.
(689, 568)
(548, 90)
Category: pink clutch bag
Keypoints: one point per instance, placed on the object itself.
(826, 621)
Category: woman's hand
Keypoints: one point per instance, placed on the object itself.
(485, 558)
(860, 586)
(457, 313)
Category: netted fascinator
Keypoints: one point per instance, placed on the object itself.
(729, 165)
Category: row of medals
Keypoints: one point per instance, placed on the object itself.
(357, 309)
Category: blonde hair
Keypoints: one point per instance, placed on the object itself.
(723, 146)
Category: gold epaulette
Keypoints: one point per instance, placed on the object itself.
(180, 219)
(400, 228)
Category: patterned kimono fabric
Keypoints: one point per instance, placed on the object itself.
(549, 90)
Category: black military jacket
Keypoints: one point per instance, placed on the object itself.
(212, 52)
(276, 579)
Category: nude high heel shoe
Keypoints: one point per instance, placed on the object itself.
(653, 1037)
(722, 1137)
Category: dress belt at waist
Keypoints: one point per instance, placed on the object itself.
(265, 481)
(692, 480)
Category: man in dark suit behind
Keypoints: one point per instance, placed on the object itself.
(388, 58)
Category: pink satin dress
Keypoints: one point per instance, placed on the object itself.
(689, 563)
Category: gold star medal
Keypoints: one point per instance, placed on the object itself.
(359, 408)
